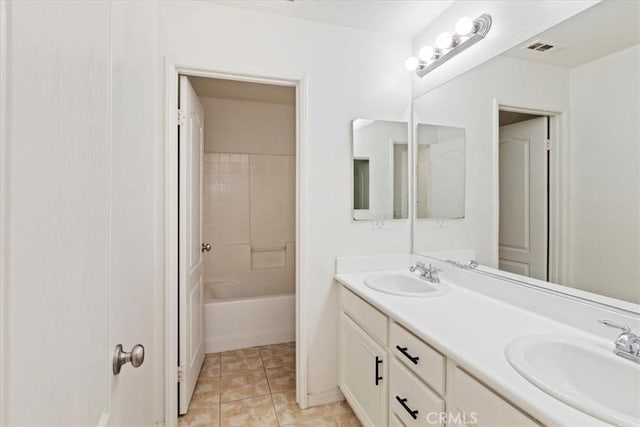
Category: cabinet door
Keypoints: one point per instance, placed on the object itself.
(363, 373)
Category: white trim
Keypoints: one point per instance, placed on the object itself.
(557, 221)
(173, 70)
(4, 203)
(171, 245)
(302, 227)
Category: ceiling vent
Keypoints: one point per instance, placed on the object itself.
(541, 46)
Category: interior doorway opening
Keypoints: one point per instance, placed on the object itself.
(247, 300)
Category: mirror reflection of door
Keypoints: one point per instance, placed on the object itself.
(400, 179)
(361, 184)
(523, 193)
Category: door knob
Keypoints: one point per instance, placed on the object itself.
(206, 247)
(120, 357)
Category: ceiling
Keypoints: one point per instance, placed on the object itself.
(404, 17)
(511, 117)
(243, 91)
(608, 27)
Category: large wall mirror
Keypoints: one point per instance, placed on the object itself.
(440, 171)
(553, 157)
(380, 170)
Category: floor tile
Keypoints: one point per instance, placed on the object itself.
(320, 422)
(282, 379)
(210, 369)
(348, 419)
(242, 386)
(236, 365)
(242, 352)
(253, 412)
(279, 348)
(206, 394)
(289, 412)
(277, 360)
(200, 417)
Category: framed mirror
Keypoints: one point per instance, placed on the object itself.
(380, 164)
(440, 171)
(553, 158)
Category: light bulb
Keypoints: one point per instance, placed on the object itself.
(444, 41)
(426, 53)
(411, 63)
(464, 26)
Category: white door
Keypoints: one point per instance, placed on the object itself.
(191, 139)
(77, 262)
(523, 198)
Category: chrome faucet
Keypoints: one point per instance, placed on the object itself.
(427, 273)
(627, 343)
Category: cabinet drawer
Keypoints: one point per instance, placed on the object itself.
(422, 359)
(477, 403)
(370, 319)
(414, 403)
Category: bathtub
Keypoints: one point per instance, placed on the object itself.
(234, 318)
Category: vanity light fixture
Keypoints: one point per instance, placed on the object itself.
(468, 32)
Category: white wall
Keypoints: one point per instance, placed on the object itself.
(604, 242)
(238, 126)
(513, 22)
(350, 74)
(469, 102)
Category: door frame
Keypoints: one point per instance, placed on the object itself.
(4, 202)
(558, 208)
(170, 224)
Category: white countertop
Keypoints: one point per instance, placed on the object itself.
(473, 330)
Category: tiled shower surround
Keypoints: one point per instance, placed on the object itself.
(249, 218)
(256, 387)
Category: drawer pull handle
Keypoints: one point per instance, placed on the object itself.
(403, 350)
(403, 402)
(378, 363)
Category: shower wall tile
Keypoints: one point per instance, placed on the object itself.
(249, 201)
(272, 196)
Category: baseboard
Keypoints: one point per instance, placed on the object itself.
(317, 399)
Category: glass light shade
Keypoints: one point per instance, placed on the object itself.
(411, 63)
(444, 41)
(426, 53)
(464, 26)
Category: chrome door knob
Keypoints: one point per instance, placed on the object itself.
(120, 357)
(206, 247)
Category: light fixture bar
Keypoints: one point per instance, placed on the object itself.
(481, 27)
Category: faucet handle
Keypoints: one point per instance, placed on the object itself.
(609, 323)
(420, 263)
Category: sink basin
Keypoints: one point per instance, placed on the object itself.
(405, 284)
(582, 373)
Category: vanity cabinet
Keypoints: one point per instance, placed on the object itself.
(391, 377)
(363, 372)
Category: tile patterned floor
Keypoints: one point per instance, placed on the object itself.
(256, 387)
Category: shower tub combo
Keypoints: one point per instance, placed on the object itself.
(234, 317)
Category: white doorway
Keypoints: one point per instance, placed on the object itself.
(189, 245)
(524, 193)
